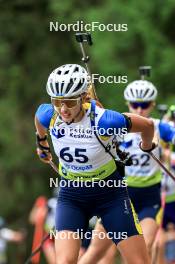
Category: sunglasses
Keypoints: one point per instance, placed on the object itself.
(143, 105)
(70, 103)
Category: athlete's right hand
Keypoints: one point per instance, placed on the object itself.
(44, 156)
(43, 149)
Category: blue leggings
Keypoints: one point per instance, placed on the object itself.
(76, 206)
(146, 200)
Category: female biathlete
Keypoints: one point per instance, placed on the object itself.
(143, 177)
(83, 140)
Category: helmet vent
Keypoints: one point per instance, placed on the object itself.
(152, 93)
(57, 87)
(132, 92)
(69, 86)
(51, 86)
(79, 85)
(76, 69)
(137, 93)
(146, 92)
(62, 84)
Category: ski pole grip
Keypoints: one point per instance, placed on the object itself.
(79, 37)
(145, 71)
(89, 39)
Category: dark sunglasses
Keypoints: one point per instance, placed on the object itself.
(143, 105)
(70, 103)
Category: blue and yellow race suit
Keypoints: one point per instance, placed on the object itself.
(81, 156)
(144, 176)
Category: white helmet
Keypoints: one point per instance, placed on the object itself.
(140, 91)
(67, 81)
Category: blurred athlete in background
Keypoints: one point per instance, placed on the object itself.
(143, 177)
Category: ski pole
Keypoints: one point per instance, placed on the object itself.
(162, 166)
(81, 38)
(54, 166)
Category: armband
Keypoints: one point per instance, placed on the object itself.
(38, 140)
(128, 122)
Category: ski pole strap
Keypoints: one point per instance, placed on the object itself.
(92, 119)
(124, 159)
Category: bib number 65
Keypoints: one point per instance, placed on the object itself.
(79, 157)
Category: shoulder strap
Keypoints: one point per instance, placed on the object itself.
(124, 160)
(92, 119)
(53, 119)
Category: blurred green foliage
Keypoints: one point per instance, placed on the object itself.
(29, 52)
